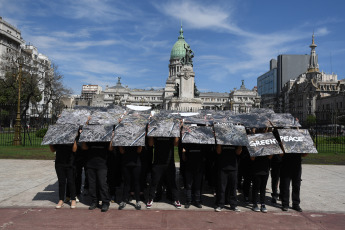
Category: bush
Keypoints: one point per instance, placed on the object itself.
(41, 132)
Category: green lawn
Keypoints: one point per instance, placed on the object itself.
(26, 152)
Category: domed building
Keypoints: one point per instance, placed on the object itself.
(179, 93)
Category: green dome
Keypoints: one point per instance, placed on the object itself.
(178, 51)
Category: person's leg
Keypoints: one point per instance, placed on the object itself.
(92, 185)
(70, 173)
(255, 189)
(171, 180)
(198, 176)
(285, 188)
(221, 186)
(156, 175)
(232, 180)
(263, 184)
(275, 174)
(136, 175)
(296, 186)
(126, 174)
(188, 185)
(103, 186)
(60, 172)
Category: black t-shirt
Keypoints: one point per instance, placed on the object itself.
(228, 160)
(261, 165)
(97, 155)
(131, 157)
(194, 155)
(163, 150)
(64, 155)
(291, 161)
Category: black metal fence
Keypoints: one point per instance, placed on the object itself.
(34, 121)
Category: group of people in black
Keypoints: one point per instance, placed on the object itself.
(150, 170)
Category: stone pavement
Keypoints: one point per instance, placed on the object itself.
(28, 188)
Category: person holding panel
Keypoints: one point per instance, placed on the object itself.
(227, 174)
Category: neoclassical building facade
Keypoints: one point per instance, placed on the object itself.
(169, 96)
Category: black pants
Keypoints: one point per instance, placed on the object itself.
(66, 175)
(275, 175)
(98, 180)
(226, 178)
(131, 175)
(161, 171)
(193, 180)
(287, 175)
(259, 185)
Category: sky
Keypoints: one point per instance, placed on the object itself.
(94, 41)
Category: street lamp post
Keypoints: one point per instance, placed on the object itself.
(17, 139)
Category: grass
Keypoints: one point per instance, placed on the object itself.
(26, 152)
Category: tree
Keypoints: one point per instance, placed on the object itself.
(40, 80)
(311, 120)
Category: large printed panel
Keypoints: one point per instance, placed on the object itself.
(96, 133)
(76, 116)
(251, 120)
(164, 128)
(197, 134)
(296, 141)
(263, 144)
(60, 134)
(130, 134)
(284, 120)
(229, 134)
(110, 117)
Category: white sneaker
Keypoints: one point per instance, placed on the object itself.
(218, 209)
(149, 204)
(177, 204)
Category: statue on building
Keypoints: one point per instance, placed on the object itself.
(196, 91)
(188, 58)
(177, 90)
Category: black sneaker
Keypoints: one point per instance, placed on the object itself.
(187, 205)
(122, 205)
(297, 208)
(246, 200)
(256, 208)
(285, 208)
(93, 206)
(263, 208)
(138, 206)
(105, 207)
(198, 204)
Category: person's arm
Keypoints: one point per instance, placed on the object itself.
(84, 146)
(122, 149)
(150, 141)
(75, 146)
(238, 150)
(139, 149)
(176, 141)
(304, 154)
(218, 149)
(270, 156)
(111, 147)
(52, 148)
(252, 158)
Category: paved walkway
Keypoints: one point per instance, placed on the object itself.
(28, 194)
